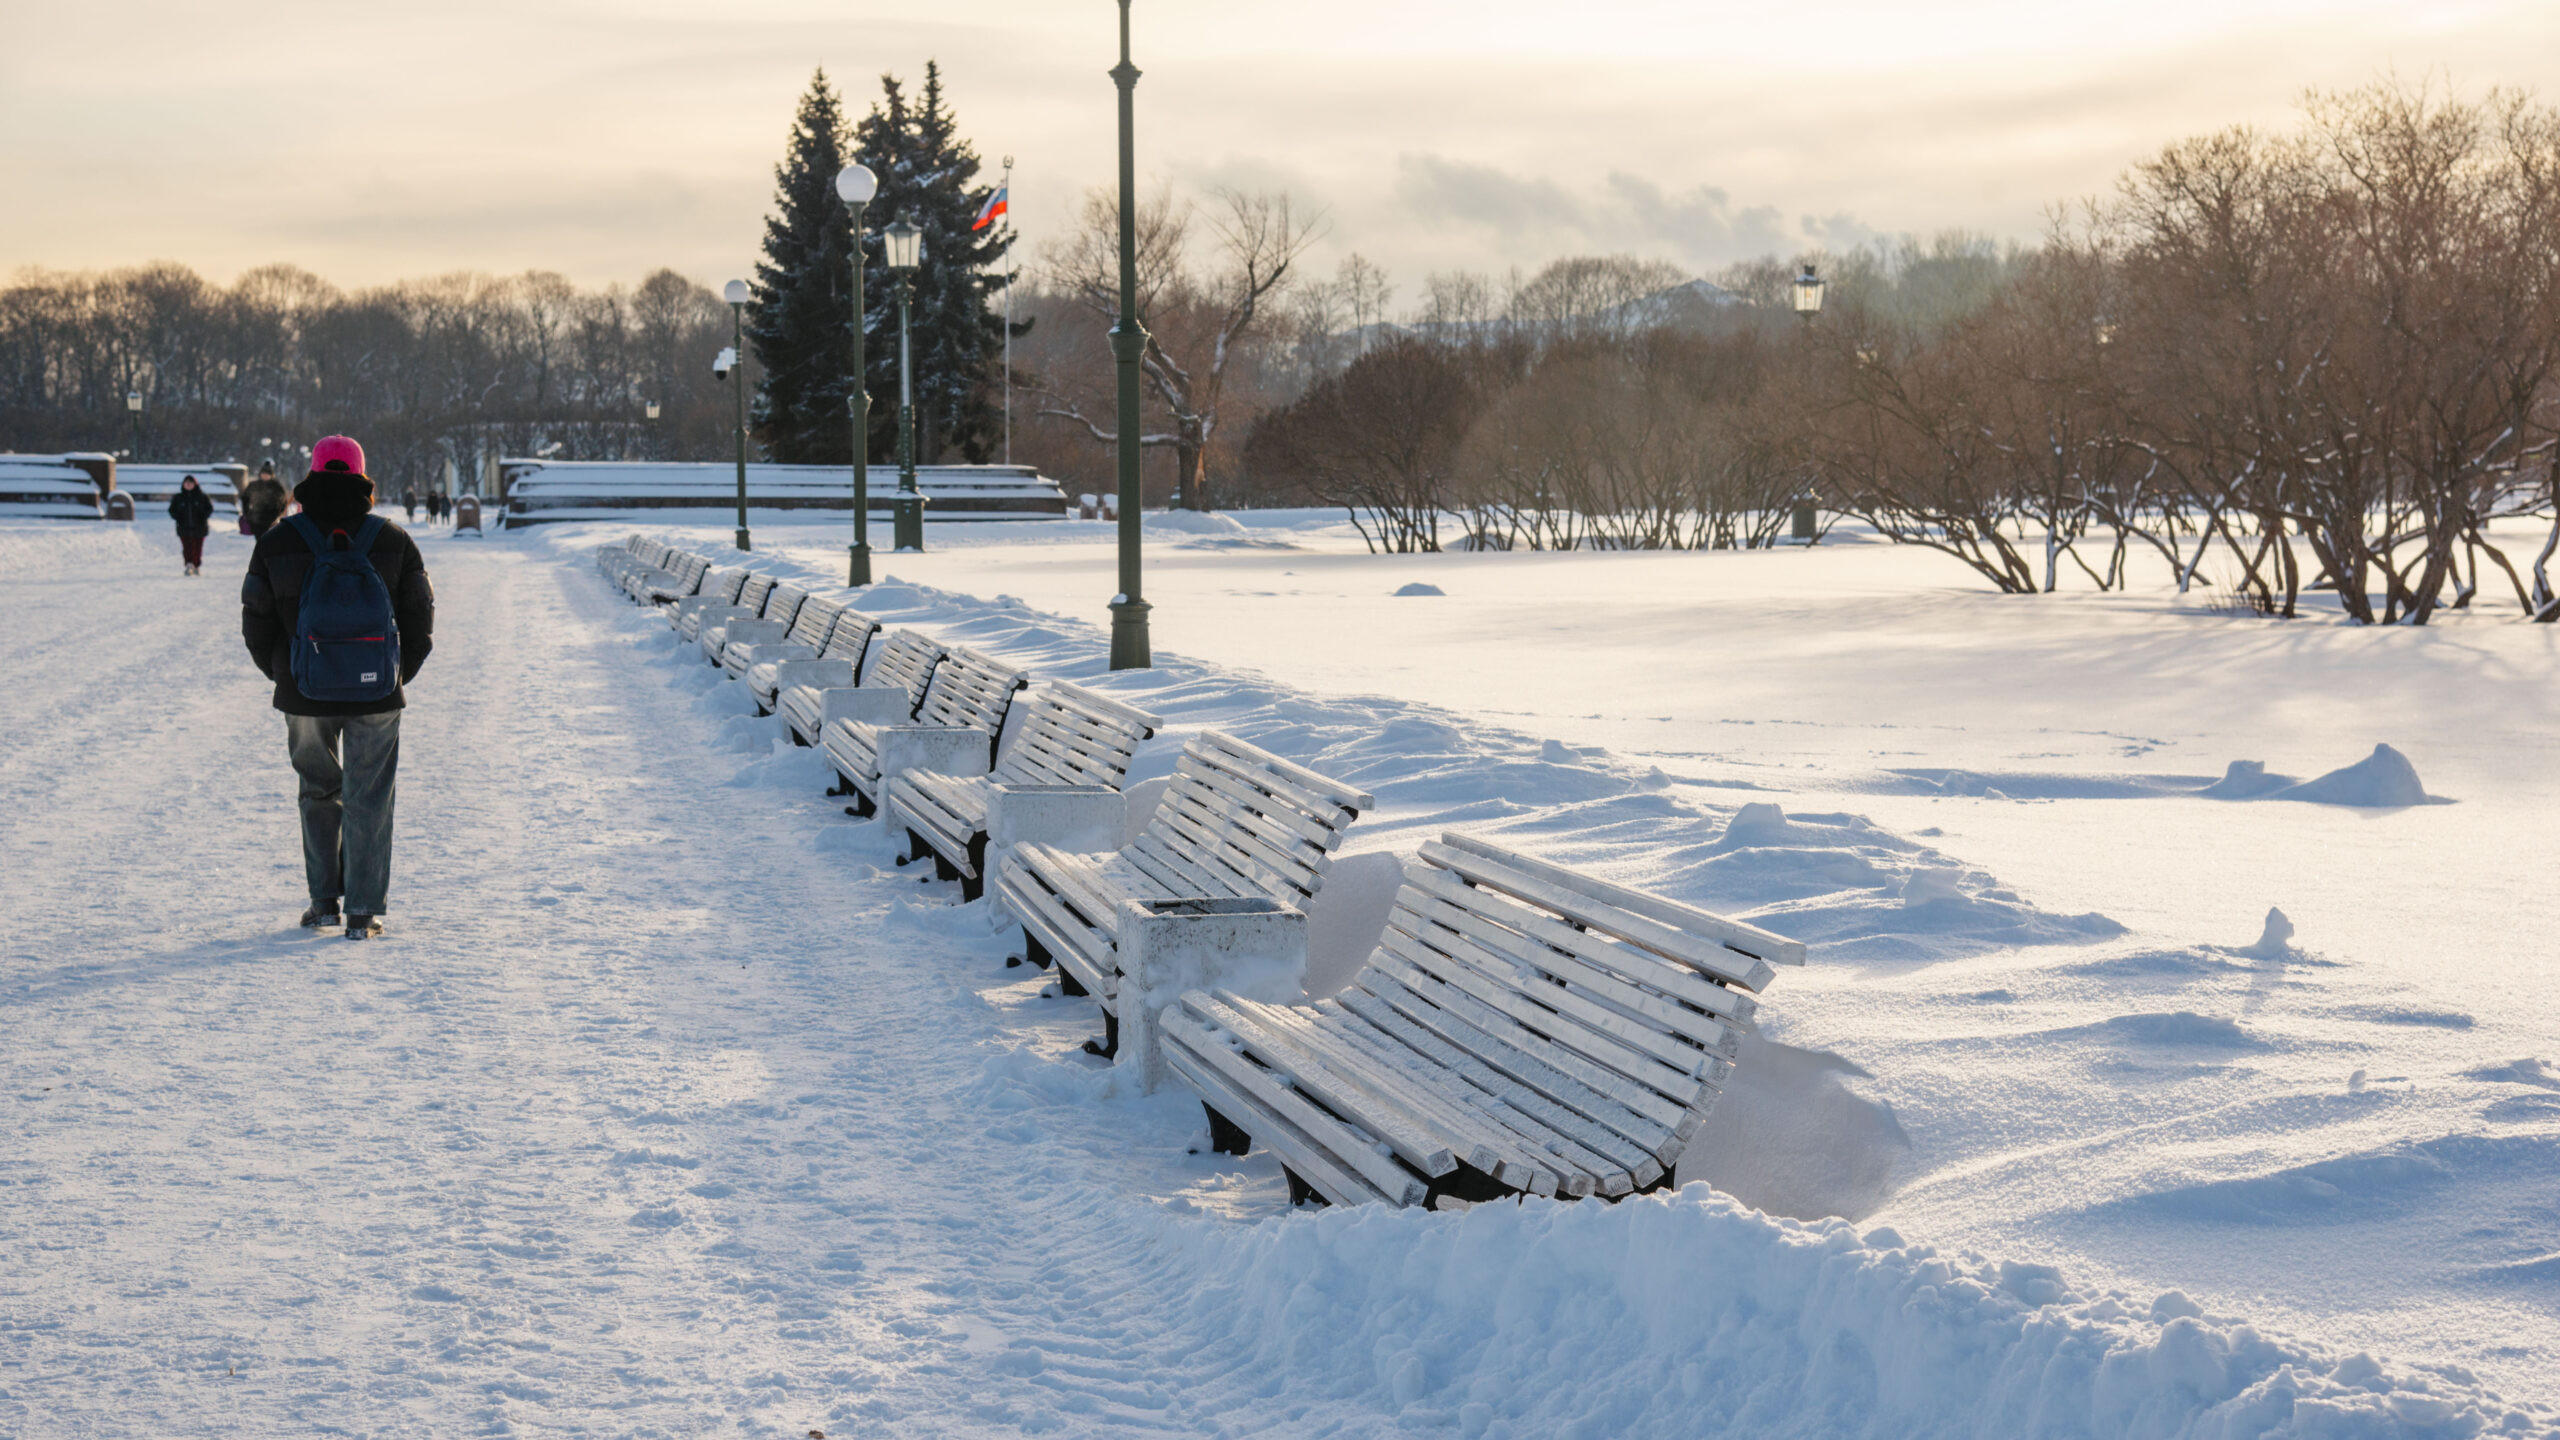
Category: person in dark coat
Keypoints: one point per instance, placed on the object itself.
(347, 753)
(192, 511)
(262, 501)
(409, 502)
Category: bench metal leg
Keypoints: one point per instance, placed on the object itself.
(942, 869)
(1037, 953)
(974, 884)
(1469, 1184)
(1225, 1136)
(1300, 1192)
(1109, 1045)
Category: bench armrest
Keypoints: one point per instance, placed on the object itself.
(756, 632)
(1069, 817)
(775, 652)
(865, 705)
(1254, 948)
(942, 749)
(824, 674)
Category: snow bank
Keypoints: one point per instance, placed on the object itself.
(1690, 1314)
(2384, 778)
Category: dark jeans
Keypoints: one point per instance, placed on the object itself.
(349, 765)
(192, 547)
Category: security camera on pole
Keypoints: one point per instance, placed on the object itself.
(855, 186)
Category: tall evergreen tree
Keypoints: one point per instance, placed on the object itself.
(800, 320)
(926, 172)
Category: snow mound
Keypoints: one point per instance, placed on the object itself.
(1419, 588)
(1193, 522)
(2275, 940)
(2383, 778)
(1690, 1314)
(2246, 780)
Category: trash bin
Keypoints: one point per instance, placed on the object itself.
(466, 512)
(119, 505)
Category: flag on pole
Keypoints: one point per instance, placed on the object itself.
(988, 212)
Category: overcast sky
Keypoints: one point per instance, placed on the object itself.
(604, 138)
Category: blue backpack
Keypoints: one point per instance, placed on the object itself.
(348, 645)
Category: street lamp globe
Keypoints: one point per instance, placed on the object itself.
(1808, 293)
(735, 292)
(855, 185)
(905, 244)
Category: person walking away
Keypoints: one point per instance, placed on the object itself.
(437, 504)
(338, 612)
(261, 502)
(409, 502)
(192, 511)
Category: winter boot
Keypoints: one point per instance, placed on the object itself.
(363, 927)
(322, 913)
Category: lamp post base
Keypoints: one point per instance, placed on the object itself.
(858, 565)
(742, 539)
(1129, 647)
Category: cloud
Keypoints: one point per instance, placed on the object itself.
(1535, 218)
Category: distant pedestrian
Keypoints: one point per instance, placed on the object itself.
(261, 502)
(409, 502)
(192, 510)
(337, 611)
(439, 504)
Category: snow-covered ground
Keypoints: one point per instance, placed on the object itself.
(671, 1107)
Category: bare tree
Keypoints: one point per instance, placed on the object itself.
(1200, 313)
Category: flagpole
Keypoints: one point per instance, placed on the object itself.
(1008, 314)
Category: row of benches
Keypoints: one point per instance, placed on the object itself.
(1521, 1028)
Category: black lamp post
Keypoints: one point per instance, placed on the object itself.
(733, 365)
(133, 405)
(905, 243)
(855, 186)
(1129, 647)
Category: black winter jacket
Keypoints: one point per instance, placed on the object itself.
(193, 510)
(262, 504)
(270, 599)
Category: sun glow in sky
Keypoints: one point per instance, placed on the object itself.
(604, 138)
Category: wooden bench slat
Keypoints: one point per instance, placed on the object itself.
(1602, 1078)
(1578, 975)
(1323, 786)
(1329, 1072)
(1319, 808)
(1308, 1159)
(1534, 931)
(1536, 1144)
(1245, 798)
(1352, 1150)
(1613, 1164)
(1749, 970)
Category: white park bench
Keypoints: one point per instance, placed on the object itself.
(680, 577)
(1521, 1028)
(632, 557)
(784, 609)
(719, 592)
(752, 598)
(953, 725)
(1237, 822)
(812, 633)
(800, 687)
(1059, 784)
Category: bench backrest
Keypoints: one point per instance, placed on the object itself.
(906, 661)
(783, 602)
(724, 585)
(971, 691)
(851, 638)
(1636, 999)
(690, 570)
(1239, 820)
(1068, 735)
(754, 593)
(815, 622)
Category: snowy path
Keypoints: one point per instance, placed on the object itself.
(618, 1127)
(669, 1109)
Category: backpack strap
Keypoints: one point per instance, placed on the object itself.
(310, 532)
(366, 533)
